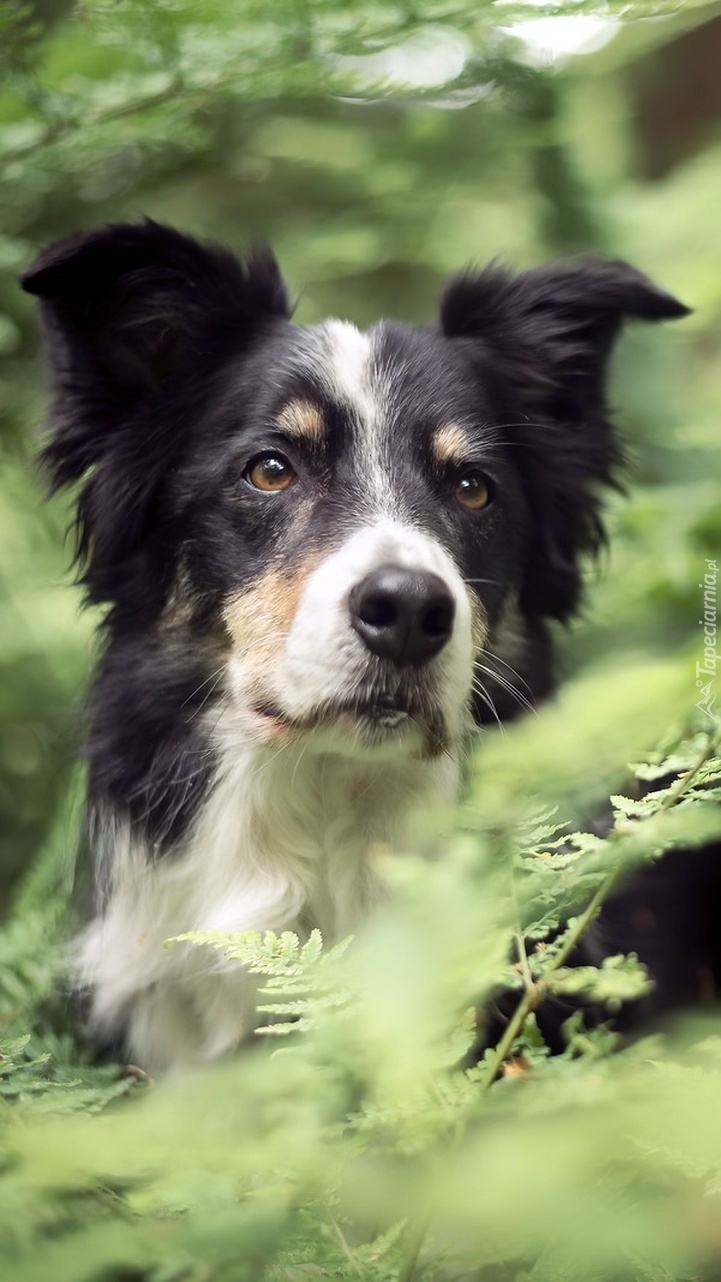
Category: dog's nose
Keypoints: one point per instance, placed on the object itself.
(402, 615)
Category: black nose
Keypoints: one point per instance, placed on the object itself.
(403, 615)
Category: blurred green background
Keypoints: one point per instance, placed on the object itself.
(378, 147)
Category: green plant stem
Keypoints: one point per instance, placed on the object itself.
(345, 1247)
(518, 934)
(534, 993)
(417, 1231)
(523, 959)
(681, 784)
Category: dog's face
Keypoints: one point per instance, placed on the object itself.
(369, 528)
(348, 513)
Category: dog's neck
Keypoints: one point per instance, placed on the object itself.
(310, 819)
(286, 839)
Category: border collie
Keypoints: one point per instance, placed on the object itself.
(325, 556)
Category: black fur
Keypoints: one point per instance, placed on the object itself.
(148, 695)
(138, 321)
(541, 342)
(141, 321)
(171, 361)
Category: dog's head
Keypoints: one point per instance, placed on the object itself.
(366, 524)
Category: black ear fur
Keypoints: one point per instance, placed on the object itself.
(542, 341)
(132, 313)
(138, 297)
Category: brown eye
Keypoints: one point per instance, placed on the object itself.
(473, 491)
(270, 473)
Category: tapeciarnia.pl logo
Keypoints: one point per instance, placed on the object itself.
(706, 671)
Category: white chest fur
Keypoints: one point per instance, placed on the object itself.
(283, 842)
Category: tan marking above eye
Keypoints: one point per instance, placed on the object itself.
(473, 491)
(301, 419)
(271, 473)
(451, 444)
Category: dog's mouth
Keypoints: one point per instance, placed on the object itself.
(380, 710)
(374, 718)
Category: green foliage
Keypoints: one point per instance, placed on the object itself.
(53, 1081)
(378, 145)
(361, 1146)
(301, 981)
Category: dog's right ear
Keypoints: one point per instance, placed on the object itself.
(132, 314)
(126, 307)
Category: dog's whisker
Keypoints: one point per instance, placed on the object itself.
(507, 686)
(218, 672)
(523, 423)
(209, 694)
(480, 690)
(496, 658)
(301, 754)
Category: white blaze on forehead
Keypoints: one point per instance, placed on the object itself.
(356, 383)
(348, 353)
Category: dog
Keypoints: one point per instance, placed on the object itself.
(325, 557)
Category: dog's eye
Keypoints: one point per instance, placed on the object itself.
(474, 490)
(270, 473)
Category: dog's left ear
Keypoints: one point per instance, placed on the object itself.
(541, 342)
(565, 316)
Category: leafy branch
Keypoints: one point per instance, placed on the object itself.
(302, 979)
(577, 927)
(313, 51)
